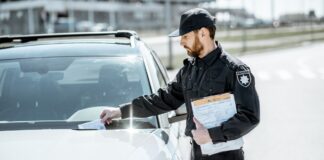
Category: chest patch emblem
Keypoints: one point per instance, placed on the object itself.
(244, 78)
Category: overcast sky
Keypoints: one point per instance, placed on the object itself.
(262, 8)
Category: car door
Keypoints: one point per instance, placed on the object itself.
(180, 142)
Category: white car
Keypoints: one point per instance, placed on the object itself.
(50, 84)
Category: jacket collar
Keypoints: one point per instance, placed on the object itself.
(211, 57)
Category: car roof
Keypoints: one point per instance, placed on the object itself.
(119, 43)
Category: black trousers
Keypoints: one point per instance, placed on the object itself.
(228, 155)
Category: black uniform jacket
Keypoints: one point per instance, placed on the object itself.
(216, 73)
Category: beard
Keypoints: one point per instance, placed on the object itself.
(196, 48)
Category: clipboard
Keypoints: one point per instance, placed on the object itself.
(212, 111)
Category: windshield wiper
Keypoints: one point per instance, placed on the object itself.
(136, 123)
(33, 125)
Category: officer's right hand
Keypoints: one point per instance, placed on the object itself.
(110, 113)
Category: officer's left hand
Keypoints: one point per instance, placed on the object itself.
(200, 134)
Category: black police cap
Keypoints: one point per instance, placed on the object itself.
(193, 19)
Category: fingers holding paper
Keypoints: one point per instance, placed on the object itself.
(200, 134)
(109, 114)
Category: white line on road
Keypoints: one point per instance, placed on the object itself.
(307, 73)
(301, 63)
(321, 70)
(263, 75)
(285, 75)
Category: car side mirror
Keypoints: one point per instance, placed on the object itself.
(180, 115)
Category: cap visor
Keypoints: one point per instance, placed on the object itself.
(174, 33)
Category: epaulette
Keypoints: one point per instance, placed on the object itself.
(232, 62)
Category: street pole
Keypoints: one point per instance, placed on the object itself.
(112, 19)
(168, 29)
(51, 27)
(305, 23)
(312, 16)
(272, 11)
(31, 27)
(228, 27)
(91, 12)
(71, 17)
(244, 48)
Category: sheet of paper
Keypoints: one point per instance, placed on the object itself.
(210, 148)
(95, 124)
(211, 112)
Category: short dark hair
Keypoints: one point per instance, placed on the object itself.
(211, 29)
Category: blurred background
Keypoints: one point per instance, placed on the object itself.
(242, 25)
(281, 40)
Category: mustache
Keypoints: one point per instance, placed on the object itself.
(186, 47)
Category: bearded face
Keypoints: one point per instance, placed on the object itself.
(195, 49)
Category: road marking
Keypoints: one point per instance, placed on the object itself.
(301, 63)
(321, 71)
(285, 75)
(263, 75)
(306, 73)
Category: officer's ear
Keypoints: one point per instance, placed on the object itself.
(204, 32)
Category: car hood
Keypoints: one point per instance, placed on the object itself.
(81, 144)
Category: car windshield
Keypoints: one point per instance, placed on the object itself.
(68, 89)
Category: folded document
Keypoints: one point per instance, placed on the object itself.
(95, 124)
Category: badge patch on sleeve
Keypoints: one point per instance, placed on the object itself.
(244, 78)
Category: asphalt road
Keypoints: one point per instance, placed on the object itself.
(159, 43)
(290, 84)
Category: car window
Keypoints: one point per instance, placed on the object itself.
(159, 70)
(55, 88)
(160, 66)
(159, 75)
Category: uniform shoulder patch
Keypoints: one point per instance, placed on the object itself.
(243, 76)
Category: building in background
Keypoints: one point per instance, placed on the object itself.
(51, 16)
(48, 16)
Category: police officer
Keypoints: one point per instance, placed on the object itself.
(208, 71)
